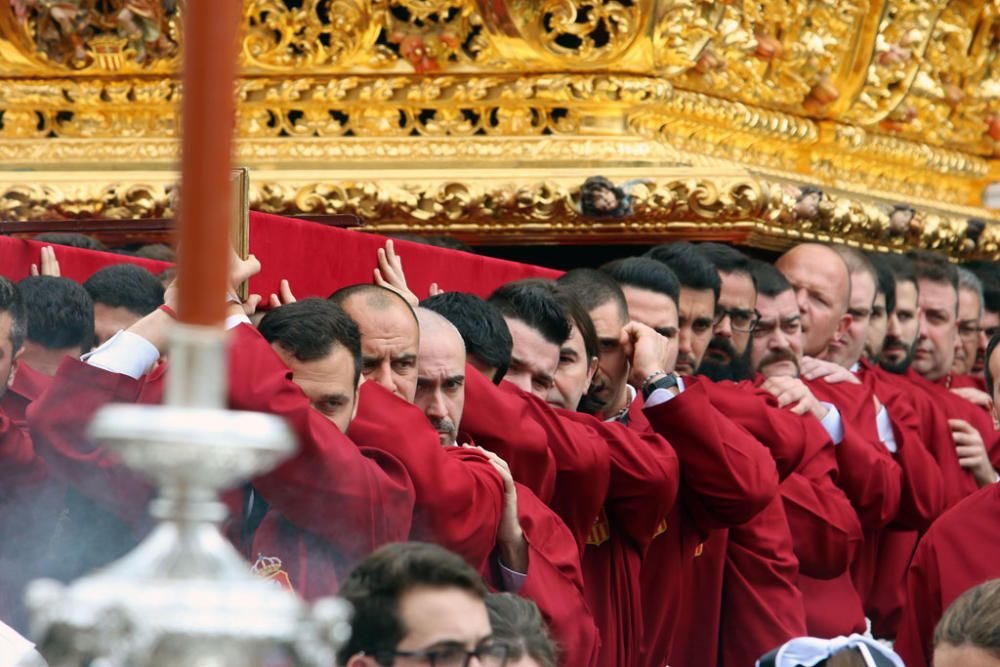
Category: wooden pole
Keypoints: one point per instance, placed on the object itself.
(210, 35)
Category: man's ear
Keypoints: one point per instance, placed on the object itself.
(845, 323)
(361, 660)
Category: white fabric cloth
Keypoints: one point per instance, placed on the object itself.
(885, 434)
(832, 423)
(125, 353)
(513, 581)
(15, 650)
(809, 651)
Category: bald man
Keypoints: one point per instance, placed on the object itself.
(822, 289)
(459, 493)
(536, 554)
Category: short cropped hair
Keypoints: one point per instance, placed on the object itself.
(770, 281)
(692, 269)
(991, 300)
(126, 286)
(310, 328)
(11, 303)
(968, 280)
(533, 301)
(644, 273)
(481, 326)
(934, 268)
(885, 281)
(725, 258)
(517, 622)
(375, 587)
(59, 311)
(593, 289)
(902, 268)
(973, 619)
(376, 295)
(580, 318)
(72, 240)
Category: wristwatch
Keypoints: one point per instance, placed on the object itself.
(666, 382)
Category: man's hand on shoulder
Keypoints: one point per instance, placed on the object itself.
(814, 369)
(793, 392)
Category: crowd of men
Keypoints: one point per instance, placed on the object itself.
(685, 458)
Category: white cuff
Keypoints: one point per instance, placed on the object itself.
(125, 353)
(832, 423)
(234, 321)
(663, 395)
(513, 581)
(885, 433)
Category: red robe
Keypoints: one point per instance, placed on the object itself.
(969, 382)
(727, 477)
(371, 489)
(762, 605)
(27, 386)
(957, 407)
(459, 495)
(555, 582)
(581, 456)
(958, 552)
(641, 491)
(919, 406)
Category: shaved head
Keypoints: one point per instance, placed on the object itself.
(822, 286)
(440, 374)
(389, 336)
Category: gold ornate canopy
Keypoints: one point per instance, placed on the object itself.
(483, 118)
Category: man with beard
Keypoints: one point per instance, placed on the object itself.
(884, 305)
(759, 565)
(728, 354)
(535, 553)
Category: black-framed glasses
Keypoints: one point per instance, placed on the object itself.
(490, 654)
(744, 321)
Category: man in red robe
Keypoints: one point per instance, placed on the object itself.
(535, 553)
(687, 558)
(371, 488)
(970, 313)
(957, 553)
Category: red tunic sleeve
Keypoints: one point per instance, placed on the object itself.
(459, 496)
(497, 418)
(644, 475)
(868, 473)
(555, 582)
(18, 462)
(762, 606)
(370, 489)
(728, 475)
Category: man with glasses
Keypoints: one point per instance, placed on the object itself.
(970, 312)
(418, 604)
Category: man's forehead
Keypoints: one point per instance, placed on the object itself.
(696, 301)
(781, 306)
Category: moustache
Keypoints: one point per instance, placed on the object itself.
(723, 345)
(684, 358)
(445, 426)
(778, 356)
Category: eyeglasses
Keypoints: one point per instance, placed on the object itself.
(969, 329)
(489, 654)
(740, 320)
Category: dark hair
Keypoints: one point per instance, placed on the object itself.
(933, 267)
(591, 186)
(59, 311)
(973, 619)
(309, 329)
(376, 296)
(160, 252)
(988, 273)
(770, 281)
(986, 363)
(902, 268)
(691, 268)
(580, 318)
(725, 258)
(885, 282)
(533, 301)
(593, 288)
(440, 241)
(518, 623)
(482, 327)
(126, 286)
(10, 302)
(71, 239)
(644, 273)
(991, 300)
(375, 587)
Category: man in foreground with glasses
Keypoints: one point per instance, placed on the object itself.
(418, 604)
